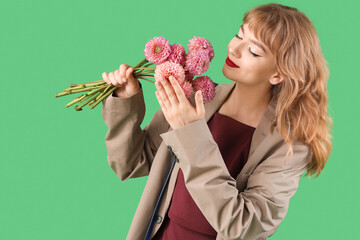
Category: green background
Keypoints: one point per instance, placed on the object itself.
(54, 177)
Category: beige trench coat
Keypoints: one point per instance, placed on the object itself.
(249, 207)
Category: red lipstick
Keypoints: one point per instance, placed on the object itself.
(231, 63)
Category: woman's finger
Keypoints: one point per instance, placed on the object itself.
(178, 90)
(122, 69)
(163, 95)
(129, 73)
(160, 101)
(200, 108)
(117, 76)
(106, 77)
(112, 79)
(169, 92)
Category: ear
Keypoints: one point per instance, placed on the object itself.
(276, 79)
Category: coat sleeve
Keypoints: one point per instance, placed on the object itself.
(131, 150)
(236, 215)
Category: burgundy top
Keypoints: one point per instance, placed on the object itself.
(184, 219)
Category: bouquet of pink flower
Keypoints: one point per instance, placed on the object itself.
(170, 60)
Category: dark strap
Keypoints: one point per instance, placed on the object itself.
(151, 225)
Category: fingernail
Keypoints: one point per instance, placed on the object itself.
(124, 79)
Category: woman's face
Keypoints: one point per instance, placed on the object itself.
(256, 64)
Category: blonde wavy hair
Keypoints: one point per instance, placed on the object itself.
(302, 99)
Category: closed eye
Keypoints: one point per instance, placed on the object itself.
(255, 55)
(238, 36)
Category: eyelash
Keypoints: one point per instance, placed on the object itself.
(255, 55)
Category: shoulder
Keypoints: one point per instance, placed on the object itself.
(283, 155)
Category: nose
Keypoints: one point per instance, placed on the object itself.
(235, 48)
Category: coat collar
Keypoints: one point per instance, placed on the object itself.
(263, 128)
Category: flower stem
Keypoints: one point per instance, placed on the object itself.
(75, 100)
(148, 64)
(92, 93)
(145, 68)
(103, 97)
(80, 90)
(81, 97)
(103, 92)
(142, 62)
(61, 94)
(145, 75)
(79, 108)
(146, 79)
(86, 97)
(142, 72)
(84, 85)
(98, 81)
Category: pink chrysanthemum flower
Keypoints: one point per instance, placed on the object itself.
(167, 69)
(157, 50)
(207, 87)
(200, 43)
(177, 54)
(188, 76)
(197, 62)
(187, 88)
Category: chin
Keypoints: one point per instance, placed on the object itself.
(228, 73)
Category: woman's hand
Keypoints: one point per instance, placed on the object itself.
(124, 79)
(177, 109)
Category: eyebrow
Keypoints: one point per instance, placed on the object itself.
(253, 41)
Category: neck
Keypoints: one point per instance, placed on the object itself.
(249, 101)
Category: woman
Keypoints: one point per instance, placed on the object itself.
(234, 176)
